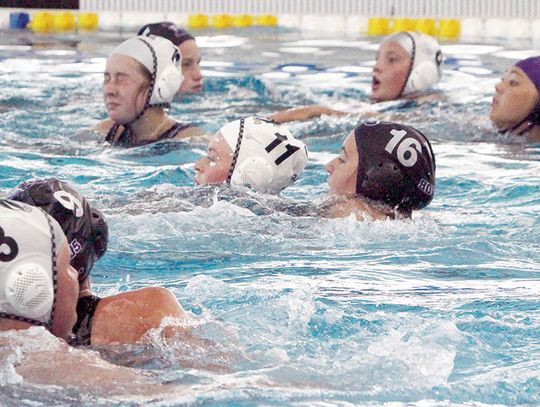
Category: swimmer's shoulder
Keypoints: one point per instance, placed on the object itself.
(103, 126)
(188, 132)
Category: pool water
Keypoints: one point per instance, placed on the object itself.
(443, 309)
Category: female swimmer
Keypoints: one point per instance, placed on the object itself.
(516, 104)
(123, 317)
(254, 152)
(190, 52)
(385, 170)
(408, 65)
(140, 80)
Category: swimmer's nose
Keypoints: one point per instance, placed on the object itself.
(198, 165)
(198, 74)
(330, 166)
(498, 87)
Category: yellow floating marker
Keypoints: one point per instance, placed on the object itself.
(378, 26)
(449, 28)
(87, 21)
(243, 20)
(403, 24)
(222, 21)
(42, 22)
(267, 20)
(64, 21)
(198, 21)
(426, 26)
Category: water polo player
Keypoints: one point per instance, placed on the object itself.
(385, 170)
(408, 65)
(140, 80)
(516, 104)
(253, 152)
(190, 52)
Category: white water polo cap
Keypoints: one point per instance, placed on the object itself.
(426, 57)
(162, 59)
(30, 241)
(266, 156)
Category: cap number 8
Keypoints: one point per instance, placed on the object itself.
(408, 146)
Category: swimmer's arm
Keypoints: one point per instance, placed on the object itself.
(103, 126)
(127, 316)
(304, 113)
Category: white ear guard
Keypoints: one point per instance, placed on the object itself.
(27, 290)
(255, 172)
(167, 84)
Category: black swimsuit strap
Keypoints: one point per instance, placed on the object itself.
(125, 139)
(86, 307)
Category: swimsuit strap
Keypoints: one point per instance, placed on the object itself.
(176, 128)
(82, 331)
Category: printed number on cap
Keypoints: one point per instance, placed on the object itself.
(407, 149)
(68, 201)
(8, 247)
(289, 148)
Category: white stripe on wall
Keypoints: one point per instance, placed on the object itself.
(414, 8)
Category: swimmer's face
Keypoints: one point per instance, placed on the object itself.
(515, 97)
(125, 88)
(390, 71)
(191, 70)
(67, 294)
(343, 170)
(214, 168)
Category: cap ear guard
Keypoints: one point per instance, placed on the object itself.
(168, 83)
(28, 289)
(255, 172)
(422, 77)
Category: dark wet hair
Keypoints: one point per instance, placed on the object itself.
(84, 226)
(168, 30)
(396, 165)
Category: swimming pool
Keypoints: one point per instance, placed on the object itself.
(440, 310)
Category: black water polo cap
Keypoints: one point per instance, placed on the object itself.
(396, 165)
(85, 227)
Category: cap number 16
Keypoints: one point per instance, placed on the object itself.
(408, 146)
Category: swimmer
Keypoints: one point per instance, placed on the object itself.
(39, 288)
(140, 80)
(385, 171)
(84, 226)
(408, 65)
(516, 105)
(253, 152)
(34, 265)
(190, 52)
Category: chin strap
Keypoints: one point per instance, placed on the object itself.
(532, 118)
(236, 150)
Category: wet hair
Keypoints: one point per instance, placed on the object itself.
(168, 30)
(84, 226)
(396, 165)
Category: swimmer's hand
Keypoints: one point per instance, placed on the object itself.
(304, 113)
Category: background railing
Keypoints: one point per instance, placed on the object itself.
(529, 9)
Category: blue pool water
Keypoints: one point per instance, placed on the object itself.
(298, 310)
